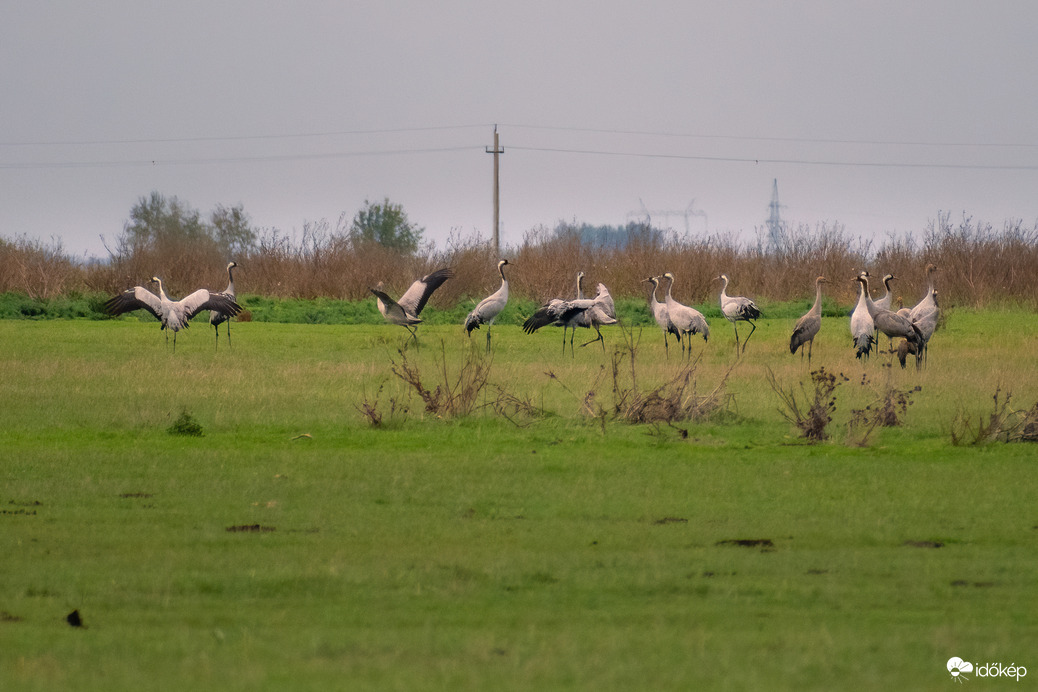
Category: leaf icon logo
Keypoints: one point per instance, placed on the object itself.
(956, 666)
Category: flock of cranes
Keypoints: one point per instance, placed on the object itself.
(914, 326)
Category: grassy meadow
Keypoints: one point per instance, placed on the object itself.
(537, 542)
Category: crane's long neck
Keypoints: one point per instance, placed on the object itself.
(865, 292)
(580, 285)
(504, 281)
(162, 293)
(724, 288)
(652, 294)
(230, 279)
(817, 307)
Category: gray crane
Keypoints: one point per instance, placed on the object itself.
(926, 312)
(890, 323)
(173, 314)
(862, 326)
(490, 307)
(582, 312)
(688, 321)
(216, 317)
(405, 311)
(738, 309)
(926, 323)
(807, 327)
(888, 297)
(555, 305)
(662, 317)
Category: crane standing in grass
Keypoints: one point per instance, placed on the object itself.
(862, 326)
(662, 316)
(738, 309)
(217, 317)
(688, 321)
(490, 307)
(582, 312)
(890, 323)
(807, 327)
(926, 313)
(173, 314)
(405, 311)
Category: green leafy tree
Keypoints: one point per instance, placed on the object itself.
(232, 230)
(157, 221)
(387, 224)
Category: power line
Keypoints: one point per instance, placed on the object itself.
(229, 159)
(803, 162)
(238, 138)
(796, 140)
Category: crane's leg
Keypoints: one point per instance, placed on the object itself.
(810, 347)
(488, 338)
(747, 339)
(572, 335)
(736, 325)
(666, 345)
(563, 339)
(414, 335)
(217, 329)
(597, 339)
(228, 332)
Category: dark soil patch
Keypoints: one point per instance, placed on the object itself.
(251, 528)
(924, 544)
(765, 544)
(671, 520)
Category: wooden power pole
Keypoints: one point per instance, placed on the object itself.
(496, 151)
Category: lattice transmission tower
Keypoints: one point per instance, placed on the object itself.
(776, 226)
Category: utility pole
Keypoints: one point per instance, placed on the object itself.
(496, 151)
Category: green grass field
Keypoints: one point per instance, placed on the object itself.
(296, 546)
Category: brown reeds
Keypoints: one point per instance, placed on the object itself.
(979, 265)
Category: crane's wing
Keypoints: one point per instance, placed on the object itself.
(547, 314)
(135, 298)
(415, 298)
(605, 301)
(393, 311)
(202, 299)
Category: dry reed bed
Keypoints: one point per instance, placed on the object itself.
(980, 265)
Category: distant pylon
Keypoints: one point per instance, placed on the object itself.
(776, 226)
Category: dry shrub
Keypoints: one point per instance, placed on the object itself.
(1002, 422)
(1027, 429)
(38, 269)
(979, 264)
(676, 400)
(888, 409)
(812, 421)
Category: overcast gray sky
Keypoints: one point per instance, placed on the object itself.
(875, 115)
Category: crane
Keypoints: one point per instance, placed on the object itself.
(862, 326)
(688, 321)
(570, 314)
(490, 307)
(173, 314)
(216, 317)
(807, 327)
(661, 315)
(406, 310)
(738, 309)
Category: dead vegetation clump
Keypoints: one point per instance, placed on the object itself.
(812, 417)
(887, 410)
(675, 401)
(1003, 423)
(454, 394)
